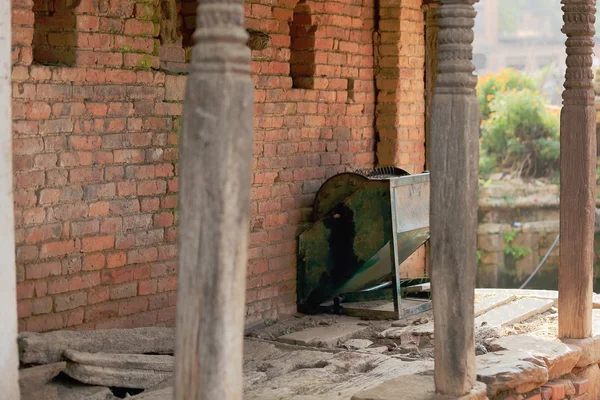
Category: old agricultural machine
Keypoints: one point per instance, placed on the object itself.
(366, 224)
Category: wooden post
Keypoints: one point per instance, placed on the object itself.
(455, 119)
(577, 173)
(216, 168)
(9, 367)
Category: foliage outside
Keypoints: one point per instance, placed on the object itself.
(519, 133)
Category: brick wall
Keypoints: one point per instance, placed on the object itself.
(95, 150)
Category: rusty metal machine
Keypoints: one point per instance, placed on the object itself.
(366, 224)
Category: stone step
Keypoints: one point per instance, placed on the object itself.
(514, 312)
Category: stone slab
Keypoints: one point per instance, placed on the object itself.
(46, 348)
(559, 357)
(511, 370)
(36, 377)
(116, 377)
(538, 294)
(487, 303)
(514, 312)
(415, 387)
(323, 335)
(123, 361)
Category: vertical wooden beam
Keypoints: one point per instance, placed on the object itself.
(216, 168)
(455, 119)
(577, 173)
(431, 65)
(9, 367)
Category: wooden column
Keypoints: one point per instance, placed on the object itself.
(216, 168)
(453, 157)
(577, 173)
(9, 365)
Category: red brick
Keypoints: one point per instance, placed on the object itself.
(42, 305)
(166, 314)
(123, 291)
(97, 243)
(98, 294)
(133, 306)
(167, 283)
(557, 388)
(147, 287)
(85, 142)
(24, 308)
(142, 255)
(163, 220)
(93, 262)
(101, 311)
(39, 110)
(111, 225)
(115, 276)
(70, 301)
(45, 323)
(58, 248)
(59, 285)
(83, 228)
(135, 27)
(24, 290)
(116, 260)
(124, 241)
(84, 281)
(43, 233)
(76, 159)
(99, 209)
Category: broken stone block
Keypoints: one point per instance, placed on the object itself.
(590, 350)
(46, 348)
(418, 330)
(511, 370)
(559, 357)
(36, 377)
(126, 361)
(414, 387)
(326, 335)
(121, 370)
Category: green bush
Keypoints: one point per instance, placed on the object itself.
(505, 81)
(520, 135)
(518, 132)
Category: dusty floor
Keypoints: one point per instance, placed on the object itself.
(274, 370)
(304, 357)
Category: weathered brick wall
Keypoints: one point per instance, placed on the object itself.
(95, 162)
(95, 153)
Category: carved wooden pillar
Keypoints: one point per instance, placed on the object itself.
(577, 173)
(454, 153)
(216, 167)
(9, 366)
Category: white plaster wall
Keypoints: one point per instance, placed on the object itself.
(9, 387)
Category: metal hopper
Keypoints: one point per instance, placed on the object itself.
(367, 224)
